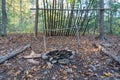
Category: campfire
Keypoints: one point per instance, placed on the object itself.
(59, 56)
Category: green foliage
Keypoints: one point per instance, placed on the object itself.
(28, 16)
(115, 6)
(13, 12)
(116, 27)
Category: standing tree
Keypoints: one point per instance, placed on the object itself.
(4, 18)
(101, 21)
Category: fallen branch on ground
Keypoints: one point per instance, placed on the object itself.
(32, 55)
(101, 48)
(14, 53)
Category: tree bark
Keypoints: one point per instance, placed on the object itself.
(101, 20)
(4, 18)
(36, 18)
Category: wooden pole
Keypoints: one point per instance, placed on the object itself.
(20, 17)
(36, 18)
(71, 9)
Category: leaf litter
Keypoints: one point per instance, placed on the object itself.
(92, 65)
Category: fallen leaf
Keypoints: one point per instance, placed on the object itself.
(10, 72)
(65, 77)
(29, 76)
(17, 73)
(74, 66)
(36, 69)
(27, 72)
(43, 67)
(64, 71)
(107, 74)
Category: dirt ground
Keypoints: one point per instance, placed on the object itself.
(88, 64)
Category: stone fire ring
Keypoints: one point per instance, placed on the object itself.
(59, 56)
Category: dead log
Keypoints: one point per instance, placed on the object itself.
(102, 49)
(14, 53)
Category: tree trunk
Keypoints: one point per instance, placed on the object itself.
(36, 18)
(4, 18)
(101, 20)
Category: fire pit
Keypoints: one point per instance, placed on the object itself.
(59, 56)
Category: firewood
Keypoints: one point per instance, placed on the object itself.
(32, 55)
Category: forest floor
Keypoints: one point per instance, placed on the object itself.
(90, 65)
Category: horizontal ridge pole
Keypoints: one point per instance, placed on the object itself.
(72, 9)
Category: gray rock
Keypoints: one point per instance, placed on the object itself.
(51, 59)
(73, 60)
(100, 64)
(63, 61)
(96, 61)
(90, 70)
(92, 67)
(46, 72)
(53, 78)
(73, 54)
(54, 61)
(49, 65)
(116, 68)
(69, 70)
(71, 57)
(44, 56)
(67, 48)
(108, 61)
